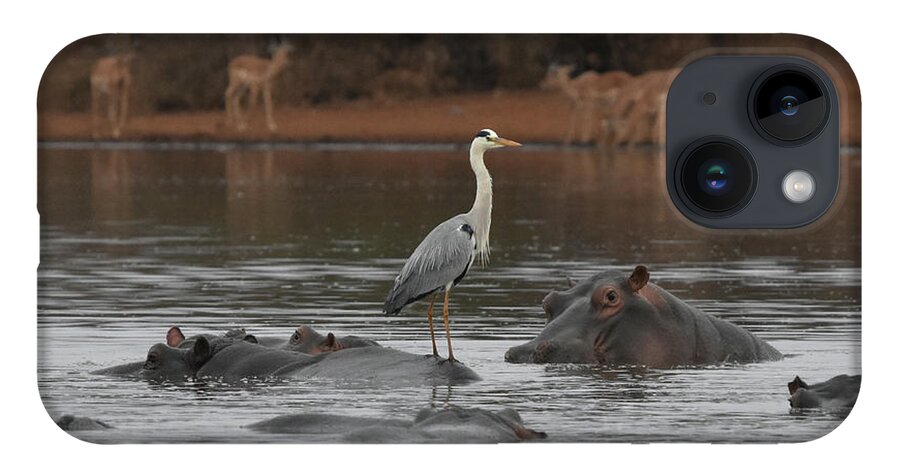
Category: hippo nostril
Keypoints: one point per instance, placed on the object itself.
(542, 352)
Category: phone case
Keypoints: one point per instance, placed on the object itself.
(420, 239)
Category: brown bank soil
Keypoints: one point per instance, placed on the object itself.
(525, 116)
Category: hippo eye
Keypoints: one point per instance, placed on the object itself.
(151, 360)
(611, 297)
(296, 337)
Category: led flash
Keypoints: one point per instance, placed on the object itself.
(798, 186)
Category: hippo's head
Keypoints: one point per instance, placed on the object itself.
(308, 341)
(610, 318)
(836, 393)
(165, 362)
(180, 357)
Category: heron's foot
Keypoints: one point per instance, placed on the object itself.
(451, 360)
(434, 355)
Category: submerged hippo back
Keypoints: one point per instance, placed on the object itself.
(714, 339)
(382, 365)
(473, 425)
(245, 360)
(431, 425)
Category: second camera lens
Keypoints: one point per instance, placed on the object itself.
(717, 176)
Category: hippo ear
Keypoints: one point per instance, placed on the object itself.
(528, 434)
(571, 281)
(333, 343)
(796, 384)
(639, 278)
(174, 337)
(201, 352)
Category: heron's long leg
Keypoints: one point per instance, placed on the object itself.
(431, 324)
(447, 325)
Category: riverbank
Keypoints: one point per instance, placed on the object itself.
(530, 116)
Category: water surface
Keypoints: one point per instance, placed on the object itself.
(136, 240)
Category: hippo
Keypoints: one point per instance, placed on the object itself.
(74, 423)
(431, 425)
(614, 318)
(309, 341)
(182, 358)
(323, 426)
(175, 338)
(239, 356)
(836, 393)
(219, 358)
(384, 366)
(173, 363)
(243, 360)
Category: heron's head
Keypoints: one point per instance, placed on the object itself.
(488, 139)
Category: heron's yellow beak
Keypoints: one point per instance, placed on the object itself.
(507, 142)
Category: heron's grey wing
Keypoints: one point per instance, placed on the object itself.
(441, 258)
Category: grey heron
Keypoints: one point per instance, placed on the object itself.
(442, 259)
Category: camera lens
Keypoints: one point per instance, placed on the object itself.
(717, 176)
(789, 104)
(713, 177)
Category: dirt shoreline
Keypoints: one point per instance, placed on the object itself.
(529, 116)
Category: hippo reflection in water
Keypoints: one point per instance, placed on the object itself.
(617, 319)
(836, 393)
(237, 357)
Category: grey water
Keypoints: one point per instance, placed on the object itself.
(136, 240)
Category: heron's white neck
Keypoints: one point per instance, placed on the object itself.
(481, 209)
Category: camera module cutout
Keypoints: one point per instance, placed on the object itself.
(752, 142)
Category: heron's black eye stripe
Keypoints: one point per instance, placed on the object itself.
(468, 229)
(483, 134)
